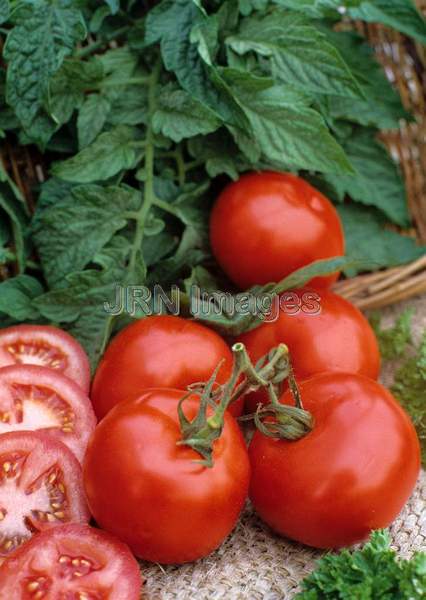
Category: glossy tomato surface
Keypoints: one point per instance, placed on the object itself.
(41, 486)
(159, 351)
(38, 398)
(149, 491)
(74, 562)
(353, 473)
(266, 225)
(323, 331)
(45, 346)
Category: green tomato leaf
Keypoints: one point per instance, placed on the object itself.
(381, 106)
(44, 34)
(4, 11)
(180, 116)
(372, 164)
(398, 14)
(372, 246)
(17, 295)
(71, 232)
(285, 126)
(112, 152)
(18, 220)
(299, 54)
(92, 118)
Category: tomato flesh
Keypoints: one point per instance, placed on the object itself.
(151, 493)
(266, 225)
(353, 473)
(45, 346)
(335, 338)
(71, 562)
(159, 351)
(38, 398)
(40, 487)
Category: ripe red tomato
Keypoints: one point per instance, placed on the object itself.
(45, 346)
(323, 331)
(159, 351)
(351, 474)
(266, 225)
(41, 487)
(73, 562)
(150, 492)
(38, 398)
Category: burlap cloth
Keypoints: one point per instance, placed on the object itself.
(255, 564)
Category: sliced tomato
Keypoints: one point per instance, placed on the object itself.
(40, 487)
(45, 346)
(38, 398)
(72, 562)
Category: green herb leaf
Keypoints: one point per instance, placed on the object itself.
(109, 154)
(370, 245)
(375, 571)
(399, 14)
(299, 54)
(44, 34)
(393, 341)
(410, 389)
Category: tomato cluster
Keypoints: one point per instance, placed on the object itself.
(142, 471)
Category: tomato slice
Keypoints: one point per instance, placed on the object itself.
(45, 346)
(40, 487)
(72, 562)
(33, 398)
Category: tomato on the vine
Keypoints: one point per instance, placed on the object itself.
(74, 562)
(323, 331)
(39, 398)
(351, 474)
(159, 351)
(45, 346)
(266, 225)
(151, 492)
(41, 487)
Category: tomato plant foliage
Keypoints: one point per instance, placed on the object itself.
(141, 112)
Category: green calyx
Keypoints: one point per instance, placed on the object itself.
(269, 372)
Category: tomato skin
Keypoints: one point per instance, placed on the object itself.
(68, 358)
(353, 473)
(165, 506)
(115, 575)
(339, 338)
(268, 224)
(159, 351)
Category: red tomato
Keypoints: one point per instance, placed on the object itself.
(72, 562)
(38, 398)
(147, 490)
(266, 225)
(159, 351)
(323, 331)
(353, 473)
(40, 487)
(45, 346)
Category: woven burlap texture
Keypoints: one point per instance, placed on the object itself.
(255, 564)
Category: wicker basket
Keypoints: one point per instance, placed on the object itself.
(405, 65)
